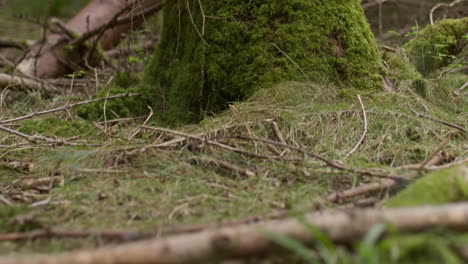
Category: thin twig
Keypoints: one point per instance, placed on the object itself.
(115, 21)
(433, 154)
(227, 165)
(202, 140)
(329, 163)
(313, 155)
(459, 90)
(278, 132)
(441, 5)
(361, 190)
(448, 165)
(5, 200)
(365, 128)
(194, 25)
(439, 121)
(36, 138)
(137, 130)
(66, 107)
(8, 43)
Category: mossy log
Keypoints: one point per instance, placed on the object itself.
(214, 52)
(438, 45)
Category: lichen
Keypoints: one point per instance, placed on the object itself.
(436, 45)
(444, 186)
(205, 62)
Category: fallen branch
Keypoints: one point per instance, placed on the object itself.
(329, 163)
(202, 140)
(70, 233)
(5, 200)
(8, 43)
(37, 138)
(361, 190)
(66, 107)
(434, 153)
(117, 20)
(365, 129)
(442, 5)
(459, 90)
(439, 121)
(7, 80)
(249, 240)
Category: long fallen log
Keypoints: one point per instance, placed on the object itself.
(249, 240)
(26, 83)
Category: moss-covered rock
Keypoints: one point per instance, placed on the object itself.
(435, 46)
(223, 51)
(444, 186)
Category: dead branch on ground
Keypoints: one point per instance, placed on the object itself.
(250, 240)
(363, 189)
(122, 235)
(438, 121)
(100, 23)
(26, 83)
(66, 107)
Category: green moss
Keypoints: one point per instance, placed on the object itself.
(399, 68)
(199, 68)
(435, 46)
(57, 127)
(444, 186)
(118, 108)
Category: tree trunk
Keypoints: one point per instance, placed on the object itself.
(214, 52)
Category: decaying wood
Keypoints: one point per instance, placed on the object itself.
(250, 240)
(361, 190)
(104, 21)
(25, 83)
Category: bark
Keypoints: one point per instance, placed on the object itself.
(213, 53)
(51, 58)
(249, 240)
(25, 83)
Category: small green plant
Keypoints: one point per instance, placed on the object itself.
(414, 31)
(77, 74)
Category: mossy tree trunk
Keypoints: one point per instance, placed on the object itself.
(216, 52)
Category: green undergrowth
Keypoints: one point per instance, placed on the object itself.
(106, 187)
(445, 186)
(58, 127)
(238, 49)
(438, 45)
(123, 107)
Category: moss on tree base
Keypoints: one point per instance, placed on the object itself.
(215, 52)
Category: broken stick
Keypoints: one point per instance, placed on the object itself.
(249, 240)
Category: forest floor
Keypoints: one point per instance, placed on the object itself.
(78, 179)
